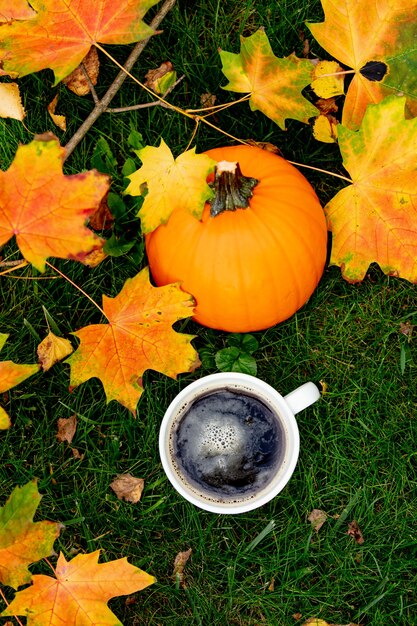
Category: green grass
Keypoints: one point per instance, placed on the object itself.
(358, 444)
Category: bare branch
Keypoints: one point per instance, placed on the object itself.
(102, 105)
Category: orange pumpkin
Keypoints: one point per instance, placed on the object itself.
(248, 268)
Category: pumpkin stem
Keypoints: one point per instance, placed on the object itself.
(231, 188)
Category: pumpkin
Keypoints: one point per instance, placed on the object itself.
(259, 250)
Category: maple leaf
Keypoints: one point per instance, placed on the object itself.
(375, 218)
(11, 374)
(274, 84)
(139, 336)
(45, 209)
(16, 10)
(170, 183)
(62, 32)
(376, 38)
(79, 594)
(23, 541)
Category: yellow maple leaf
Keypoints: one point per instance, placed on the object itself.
(376, 38)
(328, 79)
(170, 183)
(375, 218)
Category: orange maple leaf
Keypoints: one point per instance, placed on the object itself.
(11, 374)
(23, 541)
(375, 218)
(376, 38)
(79, 594)
(16, 10)
(46, 210)
(139, 336)
(63, 31)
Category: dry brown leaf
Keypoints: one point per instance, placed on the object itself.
(102, 219)
(66, 428)
(271, 586)
(127, 487)
(58, 120)
(355, 532)
(327, 105)
(317, 519)
(161, 79)
(406, 328)
(77, 454)
(264, 145)
(208, 100)
(297, 616)
(53, 349)
(179, 565)
(77, 81)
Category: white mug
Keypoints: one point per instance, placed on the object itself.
(216, 433)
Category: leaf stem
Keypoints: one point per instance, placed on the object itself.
(319, 169)
(77, 287)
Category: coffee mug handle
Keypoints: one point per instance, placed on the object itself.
(302, 397)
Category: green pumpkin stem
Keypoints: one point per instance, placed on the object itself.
(231, 188)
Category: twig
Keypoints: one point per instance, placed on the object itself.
(102, 105)
(89, 83)
(146, 105)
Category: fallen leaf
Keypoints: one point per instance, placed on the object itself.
(325, 128)
(77, 454)
(274, 84)
(162, 78)
(355, 532)
(22, 541)
(101, 219)
(94, 258)
(317, 519)
(11, 374)
(49, 41)
(77, 81)
(10, 102)
(79, 594)
(45, 209)
(179, 565)
(265, 145)
(406, 328)
(374, 219)
(170, 182)
(271, 586)
(208, 100)
(328, 79)
(138, 336)
(315, 621)
(377, 40)
(327, 106)
(15, 10)
(53, 349)
(5, 421)
(127, 487)
(66, 428)
(297, 616)
(58, 120)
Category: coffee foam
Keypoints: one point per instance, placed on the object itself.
(223, 436)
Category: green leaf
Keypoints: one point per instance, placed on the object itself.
(103, 158)
(116, 205)
(129, 167)
(118, 246)
(234, 360)
(247, 343)
(135, 140)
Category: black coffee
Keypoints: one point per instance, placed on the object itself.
(228, 445)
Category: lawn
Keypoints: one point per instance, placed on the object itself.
(358, 455)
